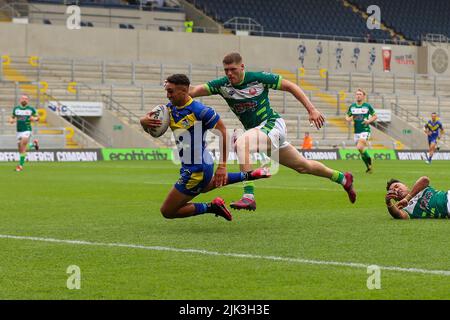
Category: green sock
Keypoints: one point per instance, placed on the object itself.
(337, 177)
(30, 146)
(249, 187)
(366, 158)
(22, 159)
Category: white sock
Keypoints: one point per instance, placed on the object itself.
(249, 196)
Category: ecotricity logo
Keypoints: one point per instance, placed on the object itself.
(137, 154)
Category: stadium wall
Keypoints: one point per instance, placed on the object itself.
(121, 133)
(179, 47)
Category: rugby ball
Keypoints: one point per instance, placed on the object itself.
(160, 112)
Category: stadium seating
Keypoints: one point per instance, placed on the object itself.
(318, 17)
(136, 93)
(418, 17)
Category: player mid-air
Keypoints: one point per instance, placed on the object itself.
(247, 95)
(189, 120)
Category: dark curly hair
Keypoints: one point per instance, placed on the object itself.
(390, 182)
(179, 79)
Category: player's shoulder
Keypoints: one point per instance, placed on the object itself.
(259, 74)
(261, 77)
(218, 81)
(197, 107)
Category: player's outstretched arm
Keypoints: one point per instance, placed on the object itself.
(12, 120)
(315, 116)
(420, 184)
(220, 176)
(198, 91)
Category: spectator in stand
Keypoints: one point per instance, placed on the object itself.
(307, 142)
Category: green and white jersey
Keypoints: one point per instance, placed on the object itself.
(249, 100)
(429, 203)
(361, 113)
(23, 115)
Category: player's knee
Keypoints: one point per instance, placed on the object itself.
(167, 212)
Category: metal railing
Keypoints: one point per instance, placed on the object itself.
(118, 4)
(434, 37)
(243, 23)
(120, 110)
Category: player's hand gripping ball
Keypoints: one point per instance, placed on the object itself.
(156, 121)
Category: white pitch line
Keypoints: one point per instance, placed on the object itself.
(234, 255)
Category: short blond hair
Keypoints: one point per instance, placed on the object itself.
(232, 57)
(361, 90)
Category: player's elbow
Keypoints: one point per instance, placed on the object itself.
(425, 180)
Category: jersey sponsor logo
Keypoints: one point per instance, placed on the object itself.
(245, 106)
(19, 112)
(253, 89)
(359, 110)
(425, 200)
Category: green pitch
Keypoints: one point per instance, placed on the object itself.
(281, 251)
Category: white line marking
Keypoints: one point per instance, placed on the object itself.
(234, 255)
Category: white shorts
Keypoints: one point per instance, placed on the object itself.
(277, 134)
(362, 135)
(23, 134)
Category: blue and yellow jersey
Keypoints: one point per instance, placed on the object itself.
(189, 124)
(434, 127)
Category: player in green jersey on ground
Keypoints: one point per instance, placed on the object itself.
(247, 95)
(23, 114)
(422, 201)
(362, 114)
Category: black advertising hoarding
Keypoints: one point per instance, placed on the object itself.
(422, 155)
(54, 155)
